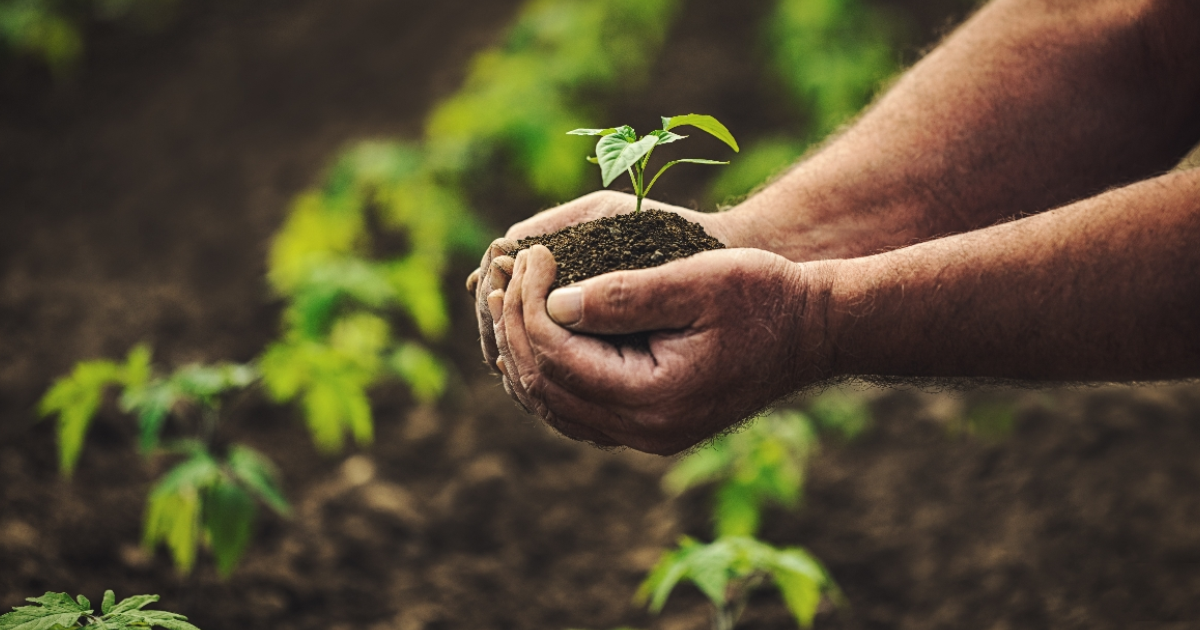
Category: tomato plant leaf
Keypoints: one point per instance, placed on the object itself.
(737, 510)
(106, 605)
(135, 602)
(704, 123)
(667, 572)
(617, 154)
(173, 512)
(137, 618)
(421, 369)
(75, 399)
(53, 611)
(259, 476)
(228, 514)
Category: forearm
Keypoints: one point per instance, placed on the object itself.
(1104, 289)
(1029, 105)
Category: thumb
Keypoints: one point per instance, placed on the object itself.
(624, 302)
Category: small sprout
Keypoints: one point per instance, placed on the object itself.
(620, 150)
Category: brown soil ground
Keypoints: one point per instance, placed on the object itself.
(138, 202)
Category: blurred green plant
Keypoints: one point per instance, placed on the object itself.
(832, 56)
(762, 464)
(203, 500)
(57, 611)
(340, 332)
(51, 30)
(729, 569)
(337, 340)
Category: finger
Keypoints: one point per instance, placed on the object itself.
(495, 306)
(517, 360)
(500, 272)
(472, 281)
(623, 302)
(487, 340)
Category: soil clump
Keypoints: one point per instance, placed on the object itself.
(638, 240)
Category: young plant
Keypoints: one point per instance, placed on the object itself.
(620, 150)
(765, 462)
(729, 569)
(204, 499)
(57, 611)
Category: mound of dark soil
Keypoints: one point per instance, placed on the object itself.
(639, 240)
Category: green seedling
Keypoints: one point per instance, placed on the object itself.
(204, 500)
(729, 569)
(620, 150)
(57, 611)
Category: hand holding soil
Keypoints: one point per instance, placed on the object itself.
(495, 269)
(733, 330)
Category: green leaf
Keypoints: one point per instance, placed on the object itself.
(228, 513)
(698, 467)
(259, 476)
(592, 132)
(203, 383)
(135, 602)
(150, 618)
(617, 154)
(423, 372)
(152, 402)
(667, 572)
(801, 593)
(737, 510)
(704, 123)
(666, 137)
(106, 605)
(84, 602)
(54, 611)
(173, 512)
(76, 398)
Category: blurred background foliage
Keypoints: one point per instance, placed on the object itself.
(52, 30)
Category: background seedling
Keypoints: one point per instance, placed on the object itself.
(620, 150)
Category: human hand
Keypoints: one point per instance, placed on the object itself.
(496, 267)
(730, 331)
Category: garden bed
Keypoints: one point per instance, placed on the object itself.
(138, 204)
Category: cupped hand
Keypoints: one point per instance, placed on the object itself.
(496, 267)
(730, 331)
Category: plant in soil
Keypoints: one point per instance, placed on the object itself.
(58, 611)
(640, 239)
(211, 496)
(762, 464)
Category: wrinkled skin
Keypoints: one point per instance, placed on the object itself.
(710, 361)
(496, 267)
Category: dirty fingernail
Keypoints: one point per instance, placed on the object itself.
(565, 306)
(472, 281)
(495, 301)
(500, 366)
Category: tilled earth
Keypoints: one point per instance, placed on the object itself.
(138, 201)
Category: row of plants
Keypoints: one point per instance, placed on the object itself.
(354, 319)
